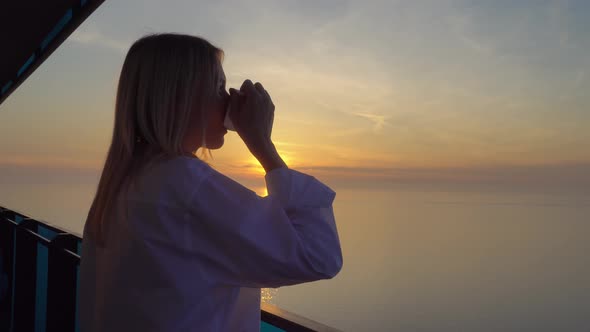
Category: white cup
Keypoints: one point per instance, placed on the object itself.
(227, 121)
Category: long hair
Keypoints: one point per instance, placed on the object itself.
(166, 80)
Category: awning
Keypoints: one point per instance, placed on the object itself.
(31, 30)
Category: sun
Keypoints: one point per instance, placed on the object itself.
(261, 191)
(255, 168)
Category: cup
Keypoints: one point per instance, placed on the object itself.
(227, 121)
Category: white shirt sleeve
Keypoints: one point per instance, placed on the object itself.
(285, 238)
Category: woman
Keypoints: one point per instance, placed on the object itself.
(170, 244)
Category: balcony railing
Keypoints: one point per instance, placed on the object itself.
(39, 269)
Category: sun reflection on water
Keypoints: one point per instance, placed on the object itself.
(267, 294)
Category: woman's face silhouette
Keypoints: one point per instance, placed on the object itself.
(215, 128)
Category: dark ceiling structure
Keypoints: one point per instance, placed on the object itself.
(31, 30)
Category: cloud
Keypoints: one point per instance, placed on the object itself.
(580, 77)
(541, 179)
(91, 35)
(378, 120)
(51, 162)
(462, 25)
(347, 132)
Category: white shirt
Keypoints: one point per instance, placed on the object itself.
(198, 246)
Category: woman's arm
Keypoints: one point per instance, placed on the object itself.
(271, 159)
(239, 238)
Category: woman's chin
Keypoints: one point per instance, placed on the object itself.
(216, 145)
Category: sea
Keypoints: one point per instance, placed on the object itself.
(415, 259)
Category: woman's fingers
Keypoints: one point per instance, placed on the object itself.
(248, 88)
(254, 120)
(234, 99)
(260, 88)
(269, 99)
(263, 92)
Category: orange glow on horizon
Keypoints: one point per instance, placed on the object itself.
(261, 191)
(253, 166)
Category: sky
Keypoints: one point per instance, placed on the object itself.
(375, 96)
(381, 92)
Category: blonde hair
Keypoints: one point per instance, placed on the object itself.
(164, 81)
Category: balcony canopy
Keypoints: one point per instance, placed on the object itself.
(31, 30)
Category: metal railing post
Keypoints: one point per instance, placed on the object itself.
(25, 276)
(61, 290)
(7, 235)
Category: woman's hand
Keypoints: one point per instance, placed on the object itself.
(253, 115)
